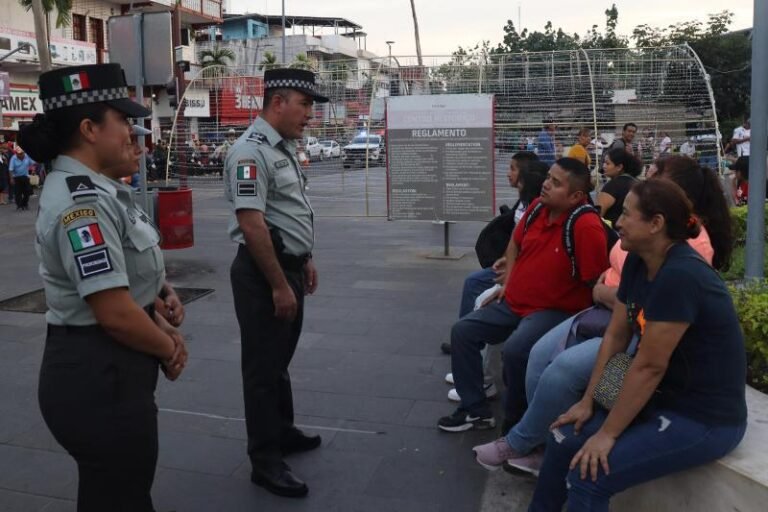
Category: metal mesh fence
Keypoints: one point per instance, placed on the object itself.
(664, 91)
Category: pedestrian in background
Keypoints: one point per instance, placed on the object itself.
(19, 168)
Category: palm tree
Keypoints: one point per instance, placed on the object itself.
(301, 61)
(416, 31)
(39, 9)
(268, 62)
(216, 56)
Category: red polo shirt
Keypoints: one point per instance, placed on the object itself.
(541, 276)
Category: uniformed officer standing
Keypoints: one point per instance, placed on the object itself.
(272, 223)
(104, 276)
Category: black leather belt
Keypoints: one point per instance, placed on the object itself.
(60, 330)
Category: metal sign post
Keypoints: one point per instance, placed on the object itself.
(139, 78)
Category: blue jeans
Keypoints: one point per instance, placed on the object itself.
(475, 284)
(664, 442)
(552, 386)
(494, 324)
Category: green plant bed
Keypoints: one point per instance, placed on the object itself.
(751, 301)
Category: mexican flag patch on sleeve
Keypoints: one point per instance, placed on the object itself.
(246, 171)
(85, 237)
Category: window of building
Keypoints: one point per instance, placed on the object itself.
(79, 28)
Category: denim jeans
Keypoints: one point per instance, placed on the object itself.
(552, 386)
(494, 324)
(661, 443)
(475, 284)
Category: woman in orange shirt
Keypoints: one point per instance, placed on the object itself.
(579, 150)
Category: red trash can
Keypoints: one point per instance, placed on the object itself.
(174, 219)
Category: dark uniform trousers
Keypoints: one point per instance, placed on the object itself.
(97, 398)
(267, 345)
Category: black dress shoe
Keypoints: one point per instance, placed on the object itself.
(297, 442)
(278, 479)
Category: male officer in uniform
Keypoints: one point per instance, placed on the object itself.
(272, 223)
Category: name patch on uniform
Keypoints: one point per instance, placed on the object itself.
(282, 163)
(93, 263)
(247, 171)
(85, 237)
(247, 189)
(77, 214)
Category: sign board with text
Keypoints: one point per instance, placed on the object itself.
(197, 103)
(440, 157)
(63, 51)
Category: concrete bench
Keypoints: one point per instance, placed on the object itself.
(735, 483)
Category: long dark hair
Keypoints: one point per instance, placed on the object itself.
(532, 176)
(52, 133)
(666, 198)
(703, 188)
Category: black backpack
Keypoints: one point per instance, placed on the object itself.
(493, 239)
(569, 240)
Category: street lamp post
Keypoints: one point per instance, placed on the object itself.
(389, 44)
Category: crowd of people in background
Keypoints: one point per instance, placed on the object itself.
(18, 175)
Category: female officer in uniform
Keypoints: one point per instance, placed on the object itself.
(103, 274)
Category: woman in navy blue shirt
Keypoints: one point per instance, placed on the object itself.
(682, 403)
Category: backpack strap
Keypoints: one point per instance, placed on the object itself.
(532, 216)
(569, 239)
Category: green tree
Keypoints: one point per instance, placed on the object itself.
(301, 61)
(39, 9)
(216, 56)
(269, 61)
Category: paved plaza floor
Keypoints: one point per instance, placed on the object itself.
(367, 376)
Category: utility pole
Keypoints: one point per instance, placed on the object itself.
(755, 249)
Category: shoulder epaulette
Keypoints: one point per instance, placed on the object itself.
(81, 188)
(258, 138)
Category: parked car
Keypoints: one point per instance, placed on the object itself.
(354, 152)
(331, 148)
(313, 148)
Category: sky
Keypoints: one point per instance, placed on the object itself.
(446, 24)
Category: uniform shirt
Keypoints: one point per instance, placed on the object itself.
(261, 173)
(541, 275)
(706, 375)
(92, 236)
(741, 133)
(20, 166)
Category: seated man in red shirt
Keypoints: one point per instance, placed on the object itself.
(541, 290)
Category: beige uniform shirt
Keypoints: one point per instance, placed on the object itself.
(261, 173)
(92, 236)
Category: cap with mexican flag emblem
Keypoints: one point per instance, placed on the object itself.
(81, 85)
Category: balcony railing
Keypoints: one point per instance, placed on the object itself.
(208, 8)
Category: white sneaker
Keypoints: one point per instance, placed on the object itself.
(449, 378)
(490, 392)
(530, 463)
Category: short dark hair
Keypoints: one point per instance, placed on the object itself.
(666, 198)
(584, 131)
(627, 125)
(628, 161)
(579, 177)
(269, 95)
